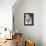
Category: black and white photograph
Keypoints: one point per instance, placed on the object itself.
(28, 19)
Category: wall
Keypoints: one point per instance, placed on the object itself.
(43, 22)
(29, 32)
(6, 13)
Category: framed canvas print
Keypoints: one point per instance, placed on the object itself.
(28, 19)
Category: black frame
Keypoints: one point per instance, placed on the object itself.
(32, 16)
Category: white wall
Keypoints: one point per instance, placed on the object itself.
(6, 13)
(31, 32)
(43, 22)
